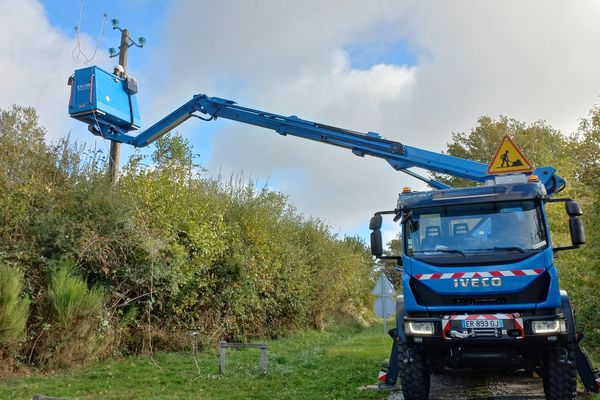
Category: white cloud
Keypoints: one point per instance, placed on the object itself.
(35, 62)
(292, 65)
(530, 61)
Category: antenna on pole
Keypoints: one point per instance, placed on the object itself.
(121, 70)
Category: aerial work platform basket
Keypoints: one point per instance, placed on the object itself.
(101, 96)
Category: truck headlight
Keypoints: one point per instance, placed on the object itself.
(419, 328)
(549, 327)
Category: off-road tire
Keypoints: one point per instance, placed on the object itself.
(560, 378)
(414, 375)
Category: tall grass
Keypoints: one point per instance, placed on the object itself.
(75, 336)
(14, 309)
(70, 297)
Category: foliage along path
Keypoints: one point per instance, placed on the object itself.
(308, 365)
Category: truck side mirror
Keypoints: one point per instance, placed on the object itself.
(575, 222)
(376, 243)
(575, 212)
(573, 208)
(376, 222)
(577, 231)
(376, 237)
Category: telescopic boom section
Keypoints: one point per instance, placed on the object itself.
(399, 156)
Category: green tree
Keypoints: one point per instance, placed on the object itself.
(541, 144)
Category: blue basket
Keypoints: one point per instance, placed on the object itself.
(100, 96)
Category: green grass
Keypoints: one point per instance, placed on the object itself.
(307, 365)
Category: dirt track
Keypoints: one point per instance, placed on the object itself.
(478, 386)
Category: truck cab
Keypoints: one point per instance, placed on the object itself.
(484, 248)
(480, 288)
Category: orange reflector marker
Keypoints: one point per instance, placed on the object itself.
(406, 189)
(533, 178)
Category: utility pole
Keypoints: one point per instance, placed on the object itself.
(115, 147)
(126, 42)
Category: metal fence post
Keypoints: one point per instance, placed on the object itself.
(263, 359)
(222, 358)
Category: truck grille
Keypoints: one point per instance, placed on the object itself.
(470, 300)
(536, 292)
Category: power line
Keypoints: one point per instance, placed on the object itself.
(77, 49)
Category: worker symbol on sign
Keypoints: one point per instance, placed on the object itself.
(506, 163)
(504, 158)
(508, 159)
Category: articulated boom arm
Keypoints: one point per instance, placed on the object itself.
(399, 156)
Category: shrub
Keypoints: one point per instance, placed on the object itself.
(230, 259)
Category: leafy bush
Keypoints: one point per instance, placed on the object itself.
(172, 250)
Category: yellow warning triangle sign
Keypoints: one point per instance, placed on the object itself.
(508, 159)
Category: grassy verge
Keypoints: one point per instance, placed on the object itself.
(307, 365)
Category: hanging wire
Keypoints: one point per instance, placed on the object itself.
(77, 49)
(78, 45)
(100, 130)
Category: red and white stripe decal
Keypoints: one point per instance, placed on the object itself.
(471, 317)
(382, 376)
(483, 274)
(519, 325)
(446, 328)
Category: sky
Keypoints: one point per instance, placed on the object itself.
(414, 71)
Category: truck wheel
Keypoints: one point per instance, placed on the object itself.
(560, 373)
(413, 372)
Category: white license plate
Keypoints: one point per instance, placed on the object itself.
(482, 323)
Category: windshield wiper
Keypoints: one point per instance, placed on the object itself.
(442, 250)
(500, 248)
(508, 248)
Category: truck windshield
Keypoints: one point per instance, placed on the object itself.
(465, 230)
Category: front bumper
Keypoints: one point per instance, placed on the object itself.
(499, 328)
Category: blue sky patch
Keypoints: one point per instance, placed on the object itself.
(138, 16)
(365, 55)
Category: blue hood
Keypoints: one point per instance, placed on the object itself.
(527, 284)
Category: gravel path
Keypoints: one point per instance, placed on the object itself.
(469, 385)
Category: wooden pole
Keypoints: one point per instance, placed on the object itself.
(115, 147)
